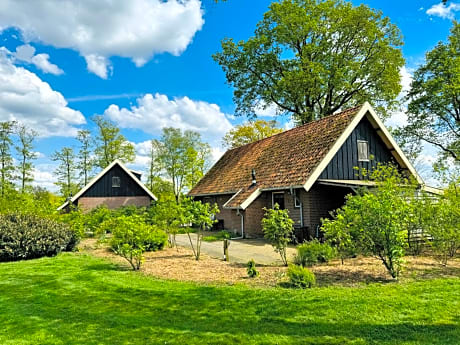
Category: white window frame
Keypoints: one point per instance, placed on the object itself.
(367, 153)
(273, 199)
(114, 184)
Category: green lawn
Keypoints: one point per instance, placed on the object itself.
(79, 299)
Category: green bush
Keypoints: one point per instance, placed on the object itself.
(131, 237)
(26, 236)
(301, 277)
(251, 269)
(278, 228)
(219, 236)
(313, 252)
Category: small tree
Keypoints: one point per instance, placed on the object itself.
(338, 233)
(278, 229)
(201, 215)
(66, 170)
(131, 237)
(26, 154)
(169, 216)
(111, 144)
(441, 219)
(377, 221)
(85, 161)
(6, 159)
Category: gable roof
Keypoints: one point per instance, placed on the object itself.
(99, 176)
(294, 158)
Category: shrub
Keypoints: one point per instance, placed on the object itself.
(376, 222)
(441, 220)
(251, 269)
(301, 277)
(131, 237)
(278, 228)
(313, 252)
(26, 236)
(221, 235)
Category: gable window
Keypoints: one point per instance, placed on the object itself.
(115, 181)
(278, 198)
(363, 151)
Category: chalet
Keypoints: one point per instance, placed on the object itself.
(115, 186)
(308, 170)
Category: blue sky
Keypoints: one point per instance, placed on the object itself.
(147, 64)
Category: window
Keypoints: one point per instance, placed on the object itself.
(363, 151)
(296, 199)
(278, 198)
(115, 181)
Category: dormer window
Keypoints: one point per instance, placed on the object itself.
(363, 151)
(115, 181)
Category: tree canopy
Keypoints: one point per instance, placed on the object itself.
(111, 144)
(311, 58)
(249, 132)
(434, 98)
(182, 158)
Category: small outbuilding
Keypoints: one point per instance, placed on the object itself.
(308, 170)
(115, 186)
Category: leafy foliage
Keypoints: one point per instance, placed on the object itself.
(441, 220)
(27, 236)
(251, 269)
(26, 154)
(66, 171)
(182, 157)
(301, 277)
(111, 144)
(376, 222)
(203, 216)
(434, 98)
(313, 252)
(6, 159)
(86, 161)
(131, 237)
(249, 132)
(310, 58)
(278, 228)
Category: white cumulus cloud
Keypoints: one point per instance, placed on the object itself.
(24, 97)
(99, 29)
(444, 11)
(154, 112)
(26, 53)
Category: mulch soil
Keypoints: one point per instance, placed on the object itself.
(180, 264)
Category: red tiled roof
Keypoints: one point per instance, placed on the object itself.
(282, 160)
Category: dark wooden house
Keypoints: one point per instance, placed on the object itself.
(308, 170)
(114, 187)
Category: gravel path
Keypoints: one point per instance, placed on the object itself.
(241, 250)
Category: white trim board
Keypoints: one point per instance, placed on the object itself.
(365, 110)
(98, 177)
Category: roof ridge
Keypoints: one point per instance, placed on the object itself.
(302, 126)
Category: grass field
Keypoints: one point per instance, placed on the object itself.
(80, 299)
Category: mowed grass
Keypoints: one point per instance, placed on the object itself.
(80, 299)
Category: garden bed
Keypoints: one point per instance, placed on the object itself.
(179, 264)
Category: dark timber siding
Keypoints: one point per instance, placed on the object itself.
(341, 166)
(103, 187)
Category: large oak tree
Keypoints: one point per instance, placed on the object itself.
(434, 98)
(311, 58)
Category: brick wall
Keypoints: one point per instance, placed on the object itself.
(254, 213)
(319, 201)
(232, 221)
(88, 203)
